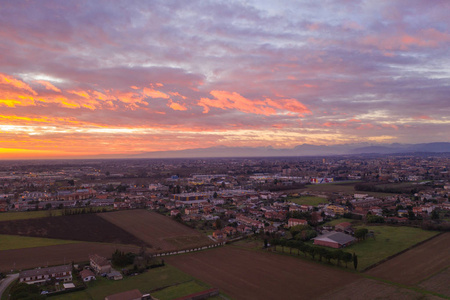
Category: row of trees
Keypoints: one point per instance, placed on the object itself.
(80, 211)
(319, 252)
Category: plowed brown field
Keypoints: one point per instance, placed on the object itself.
(85, 227)
(418, 263)
(161, 232)
(369, 289)
(27, 258)
(247, 274)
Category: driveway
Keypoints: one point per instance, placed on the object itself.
(6, 282)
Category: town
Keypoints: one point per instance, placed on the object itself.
(281, 205)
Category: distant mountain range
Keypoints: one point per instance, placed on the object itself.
(300, 150)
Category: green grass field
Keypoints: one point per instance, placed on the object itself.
(342, 187)
(388, 240)
(337, 221)
(10, 216)
(155, 278)
(308, 200)
(9, 242)
(21, 215)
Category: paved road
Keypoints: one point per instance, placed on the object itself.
(6, 282)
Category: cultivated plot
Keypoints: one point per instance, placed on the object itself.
(247, 274)
(83, 227)
(369, 289)
(158, 231)
(418, 263)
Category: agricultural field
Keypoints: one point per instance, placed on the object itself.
(342, 187)
(338, 221)
(27, 258)
(84, 227)
(177, 284)
(365, 288)
(249, 274)
(9, 242)
(439, 283)
(388, 241)
(161, 233)
(418, 263)
(308, 200)
(23, 215)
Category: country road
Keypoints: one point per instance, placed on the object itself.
(6, 282)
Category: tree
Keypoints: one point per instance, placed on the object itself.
(347, 258)
(435, 215)
(355, 261)
(218, 224)
(361, 233)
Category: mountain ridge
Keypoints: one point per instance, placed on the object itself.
(299, 150)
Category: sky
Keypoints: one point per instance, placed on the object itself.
(86, 78)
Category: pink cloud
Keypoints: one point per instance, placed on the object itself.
(48, 86)
(232, 100)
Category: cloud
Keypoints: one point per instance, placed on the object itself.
(369, 69)
(48, 86)
(232, 100)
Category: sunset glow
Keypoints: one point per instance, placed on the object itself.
(80, 79)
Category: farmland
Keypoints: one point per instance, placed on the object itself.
(84, 227)
(20, 259)
(438, 283)
(308, 200)
(418, 263)
(177, 282)
(342, 187)
(9, 242)
(365, 288)
(388, 241)
(248, 274)
(158, 231)
(22, 215)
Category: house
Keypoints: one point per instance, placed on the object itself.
(334, 239)
(174, 212)
(337, 209)
(343, 227)
(295, 222)
(270, 229)
(99, 264)
(41, 275)
(191, 210)
(87, 275)
(219, 235)
(229, 230)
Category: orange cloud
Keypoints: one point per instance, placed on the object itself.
(233, 100)
(12, 82)
(176, 106)
(48, 85)
(155, 94)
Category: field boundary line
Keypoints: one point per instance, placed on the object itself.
(401, 252)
